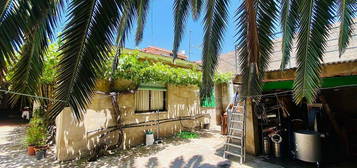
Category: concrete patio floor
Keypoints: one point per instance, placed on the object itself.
(204, 152)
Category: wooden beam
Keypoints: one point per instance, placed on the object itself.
(328, 70)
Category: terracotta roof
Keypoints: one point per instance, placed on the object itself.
(198, 62)
(163, 52)
(227, 62)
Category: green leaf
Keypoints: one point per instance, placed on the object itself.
(215, 22)
(346, 13)
(181, 8)
(87, 40)
(196, 6)
(289, 20)
(28, 70)
(315, 22)
(255, 26)
(11, 32)
(4, 6)
(125, 25)
(142, 8)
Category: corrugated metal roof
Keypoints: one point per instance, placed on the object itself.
(227, 62)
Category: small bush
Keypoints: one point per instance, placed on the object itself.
(188, 135)
(36, 133)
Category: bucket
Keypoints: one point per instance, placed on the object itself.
(276, 138)
(149, 139)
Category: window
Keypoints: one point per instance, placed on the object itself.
(150, 101)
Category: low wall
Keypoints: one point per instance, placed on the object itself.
(76, 138)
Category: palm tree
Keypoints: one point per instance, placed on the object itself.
(256, 22)
(27, 25)
(93, 26)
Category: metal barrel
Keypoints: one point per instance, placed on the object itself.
(266, 144)
(277, 150)
(276, 138)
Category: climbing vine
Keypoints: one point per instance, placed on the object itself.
(132, 68)
(138, 67)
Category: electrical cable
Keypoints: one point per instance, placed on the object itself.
(28, 95)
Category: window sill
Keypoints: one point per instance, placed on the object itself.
(149, 112)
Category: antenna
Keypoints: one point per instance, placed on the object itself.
(152, 24)
(189, 45)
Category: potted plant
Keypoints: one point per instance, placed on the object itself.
(31, 140)
(36, 136)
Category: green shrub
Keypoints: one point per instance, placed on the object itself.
(188, 135)
(36, 133)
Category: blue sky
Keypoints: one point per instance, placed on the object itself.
(159, 30)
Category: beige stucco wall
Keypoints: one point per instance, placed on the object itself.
(73, 139)
(222, 100)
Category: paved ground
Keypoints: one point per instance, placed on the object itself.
(204, 152)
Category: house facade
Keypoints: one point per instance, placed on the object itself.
(162, 108)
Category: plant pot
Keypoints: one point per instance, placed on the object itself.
(40, 154)
(31, 150)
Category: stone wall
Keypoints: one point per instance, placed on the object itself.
(77, 138)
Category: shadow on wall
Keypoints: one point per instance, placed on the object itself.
(76, 139)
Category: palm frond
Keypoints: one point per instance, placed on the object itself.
(181, 8)
(28, 69)
(11, 32)
(242, 47)
(196, 6)
(267, 16)
(142, 10)
(316, 20)
(43, 18)
(87, 41)
(347, 11)
(255, 42)
(289, 18)
(215, 22)
(124, 27)
(248, 46)
(4, 6)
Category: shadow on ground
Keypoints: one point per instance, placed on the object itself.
(196, 162)
(13, 151)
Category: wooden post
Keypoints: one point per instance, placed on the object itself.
(251, 138)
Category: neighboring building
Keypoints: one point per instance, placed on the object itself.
(165, 109)
(227, 63)
(338, 93)
(164, 52)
